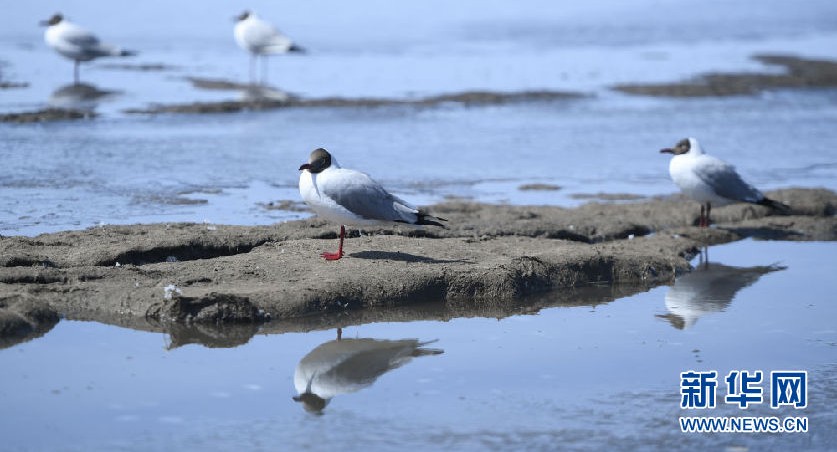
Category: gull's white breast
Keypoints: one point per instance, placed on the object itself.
(685, 169)
(310, 187)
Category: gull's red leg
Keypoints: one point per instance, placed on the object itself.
(708, 208)
(702, 220)
(339, 253)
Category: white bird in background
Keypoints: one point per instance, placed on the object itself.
(261, 39)
(346, 196)
(709, 180)
(76, 43)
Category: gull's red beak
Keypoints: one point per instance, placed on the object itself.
(305, 166)
(667, 151)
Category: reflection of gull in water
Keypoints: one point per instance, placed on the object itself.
(709, 288)
(347, 365)
(249, 92)
(81, 96)
(259, 93)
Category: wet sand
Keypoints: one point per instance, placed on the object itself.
(13, 85)
(260, 98)
(799, 73)
(489, 262)
(46, 115)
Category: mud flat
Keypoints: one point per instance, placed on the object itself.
(490, 262)
(799, 73)
(46, 115)
(259, 98)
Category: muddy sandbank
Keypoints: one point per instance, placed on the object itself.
(139, 67)
(261, 98)
(489, 260)
(13, 85)
(46, 115)
(798, 73)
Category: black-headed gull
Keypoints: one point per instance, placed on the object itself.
(260, 38)
(709, 180)
(349, 197)
(76, 43)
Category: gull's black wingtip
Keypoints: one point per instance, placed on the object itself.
(429, 220)
(773, 204)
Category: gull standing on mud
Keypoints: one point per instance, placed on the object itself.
(76, 43)
(708, 180)
(346, 196)
(260, 38)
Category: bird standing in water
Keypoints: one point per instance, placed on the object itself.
(260, 38)
(76, 43)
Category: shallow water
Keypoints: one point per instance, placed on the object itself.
(586, 376)
(590, 376)
(224, 168)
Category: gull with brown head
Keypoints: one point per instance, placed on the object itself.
(76, 43)
(349, 197)
(260, 39)
(709, 180)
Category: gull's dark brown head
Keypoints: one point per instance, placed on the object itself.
(243, 16)
(683, 146)
(54, 20)
(319, 160)
(312, 403)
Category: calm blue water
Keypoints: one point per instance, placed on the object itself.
(586, 377)
(222, 168)
(570, 377)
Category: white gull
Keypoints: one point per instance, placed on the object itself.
(709, 180)
(349, 197)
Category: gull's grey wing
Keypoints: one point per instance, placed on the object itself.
(266, 38)
(81, 37)
(87, 44)
(726, 182)
(364, 197)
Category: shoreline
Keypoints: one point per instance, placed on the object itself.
(797, 73)
(490, 262)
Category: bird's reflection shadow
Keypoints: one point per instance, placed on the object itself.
(342, 366)
(79, 97)
(261, 93)
(400, 256)
(709, 288)
(250, 93)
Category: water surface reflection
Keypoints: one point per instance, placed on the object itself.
(342, 366)
(709, 288)
(80, 97)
